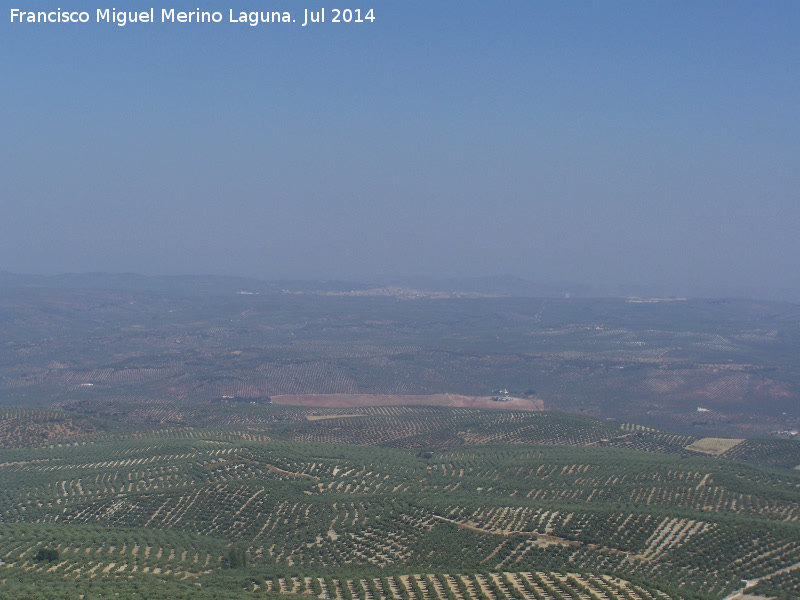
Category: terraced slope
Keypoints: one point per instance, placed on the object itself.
(507, 505)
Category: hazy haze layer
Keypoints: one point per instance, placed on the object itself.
(617, 144)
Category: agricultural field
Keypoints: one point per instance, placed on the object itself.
(391, 503)
(710, 368)
(223, 438)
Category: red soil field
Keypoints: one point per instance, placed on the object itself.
(359, 400)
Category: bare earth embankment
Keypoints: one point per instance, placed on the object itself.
(714, 446)
(362, 400)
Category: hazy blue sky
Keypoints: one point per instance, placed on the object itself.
(635, 142)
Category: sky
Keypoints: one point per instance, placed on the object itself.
(606, 143)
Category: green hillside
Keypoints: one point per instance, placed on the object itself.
(391, 503)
